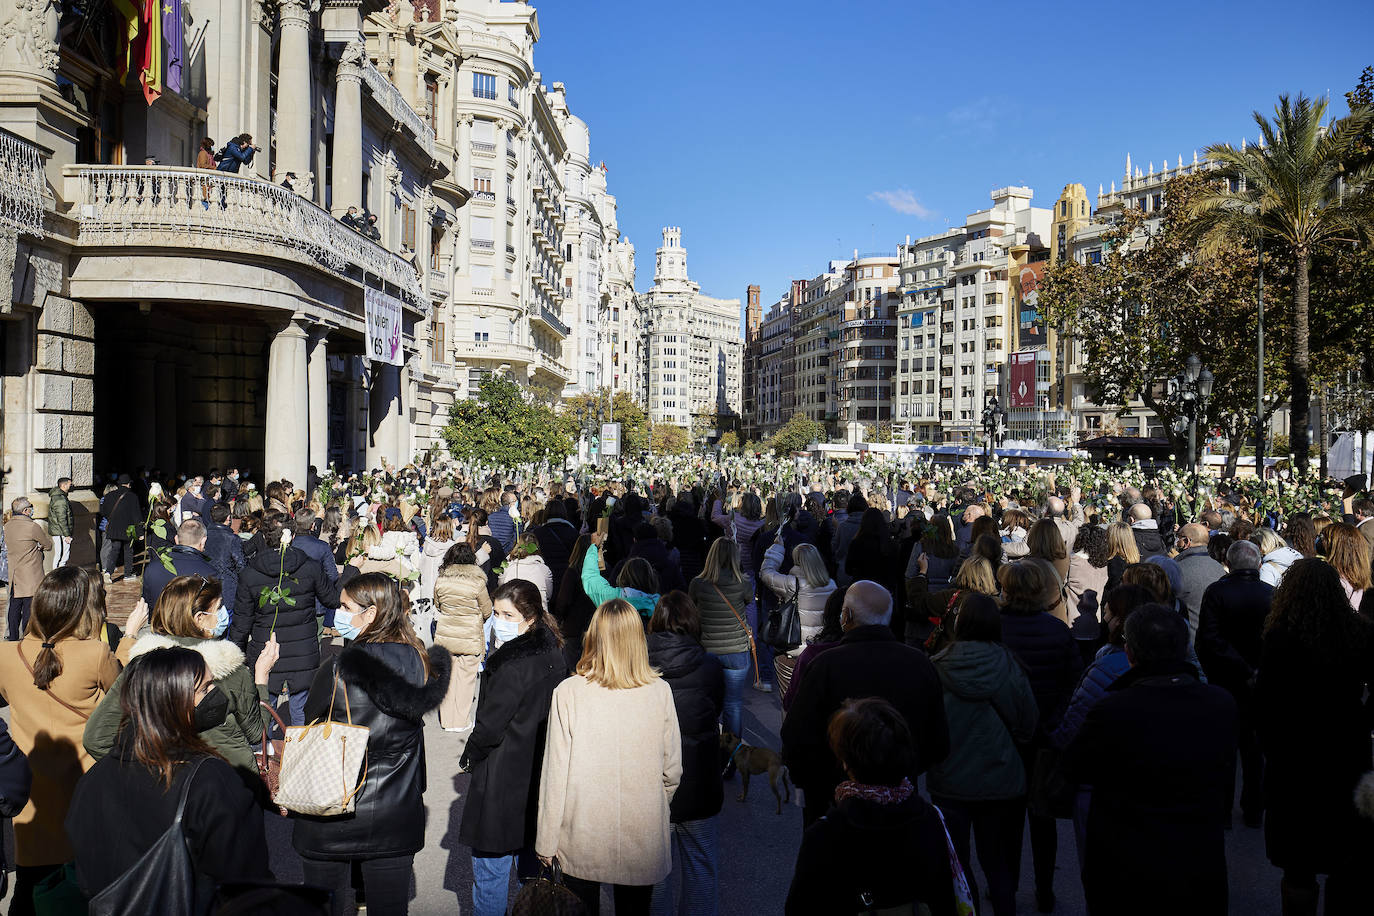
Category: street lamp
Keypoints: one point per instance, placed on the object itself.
(994, 428)
(1189, 394)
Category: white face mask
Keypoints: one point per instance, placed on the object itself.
(504, 630)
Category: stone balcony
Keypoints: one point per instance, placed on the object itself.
(202, 210)
(495, 350)
(389, 97)
(22, 184)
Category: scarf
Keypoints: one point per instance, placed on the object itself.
(881, 795)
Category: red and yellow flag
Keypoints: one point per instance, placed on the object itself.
(128, 14)
(150, 74)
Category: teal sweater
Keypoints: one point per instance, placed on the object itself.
(601, 591)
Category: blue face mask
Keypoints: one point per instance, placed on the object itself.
(343, 622)
(221, 621)
(504, 630)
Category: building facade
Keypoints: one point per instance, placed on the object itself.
(182, 318)
(694, 348)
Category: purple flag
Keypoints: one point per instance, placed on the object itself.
(174, 38)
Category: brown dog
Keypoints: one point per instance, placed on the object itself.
(755, 761)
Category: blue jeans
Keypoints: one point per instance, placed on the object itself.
(491, 879)
(295, 710)
(695, 870)
(736, 665)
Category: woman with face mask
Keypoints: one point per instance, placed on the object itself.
(191, 613)
(386, 681)
(127, 800)
(506, 748)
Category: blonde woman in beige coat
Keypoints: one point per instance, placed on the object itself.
(612, 761)
(461, 607)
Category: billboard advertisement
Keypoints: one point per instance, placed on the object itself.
(1030, 327)
(1021, 386)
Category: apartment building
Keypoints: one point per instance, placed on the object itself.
(694, 348)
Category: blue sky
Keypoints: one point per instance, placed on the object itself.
(780, 135)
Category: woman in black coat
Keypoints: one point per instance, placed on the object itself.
(302, 593)
(572, 609)
(1314, 668)
(389, 682)
(1046, 647)
(506, 749)
(698, 683)
(689, 535)
(130, 797)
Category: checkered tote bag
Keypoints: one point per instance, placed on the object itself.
(320, 764)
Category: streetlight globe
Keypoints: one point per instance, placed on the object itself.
(1193, 366)
(1204, 383)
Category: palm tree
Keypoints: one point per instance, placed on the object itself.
(1297, 192)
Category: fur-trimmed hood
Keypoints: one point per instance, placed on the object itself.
(223, 658)
(392, 693)
(536, 641)
(463, 571)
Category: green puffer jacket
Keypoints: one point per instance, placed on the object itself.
(232, 738)
(990, 707)
(721, 633)
(59, 513)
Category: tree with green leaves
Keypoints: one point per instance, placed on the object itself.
(704, 425)
(729, 443)
(1153, 300)
(878, 433)
(585, 409)
(796, 434)
(502, 427)
(1296, 193)
(667, 439)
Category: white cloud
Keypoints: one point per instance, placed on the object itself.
(903, 201)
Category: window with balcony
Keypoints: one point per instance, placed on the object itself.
(431, 99)
(408, 227)
(436, 244)
(484, 85)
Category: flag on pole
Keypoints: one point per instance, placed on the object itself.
(173, 35)
(150, 74)
(127, 15)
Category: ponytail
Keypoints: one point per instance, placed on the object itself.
(59, 610)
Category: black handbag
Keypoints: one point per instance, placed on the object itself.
(545, 894)
(782, 631)
(163, 880)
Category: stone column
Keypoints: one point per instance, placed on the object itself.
(383, 415)
(286, 443)
(348, 129)
(317, 383)
(293, 92)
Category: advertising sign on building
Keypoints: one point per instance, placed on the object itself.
(383, 327)
(610, 439)
(1021, 389)
(1030, 326)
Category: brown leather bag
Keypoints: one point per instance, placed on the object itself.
(269, 758)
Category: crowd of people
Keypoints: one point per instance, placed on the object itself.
(959, 659)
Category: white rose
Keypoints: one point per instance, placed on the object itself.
(285, 539)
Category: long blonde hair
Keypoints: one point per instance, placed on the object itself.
(722, 562)
(614, 652)
(1121, 543)
(807, 560)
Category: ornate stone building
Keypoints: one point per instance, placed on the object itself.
(693, 343)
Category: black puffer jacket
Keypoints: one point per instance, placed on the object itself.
(298, 631)
(389, 694)
(656, 553)
(1045, 645)
(698, 684)
(506, 750)
(556, 540)
(689, 537)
